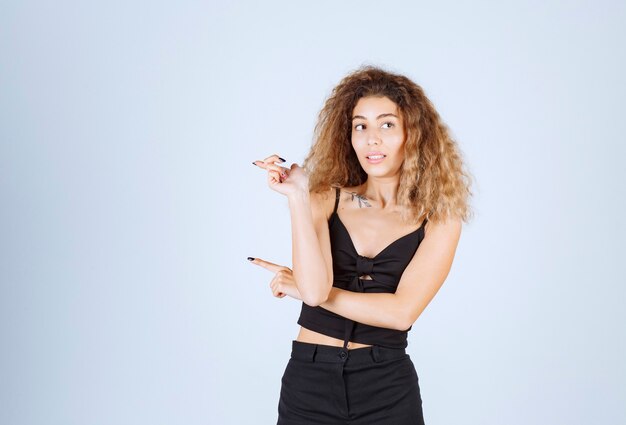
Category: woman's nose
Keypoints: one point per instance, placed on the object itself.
(373, 138)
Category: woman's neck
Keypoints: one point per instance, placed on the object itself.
(382, 191)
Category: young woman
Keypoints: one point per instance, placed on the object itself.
(376, 214)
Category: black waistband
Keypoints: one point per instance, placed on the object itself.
(331, 354)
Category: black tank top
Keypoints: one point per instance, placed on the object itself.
(385, 270)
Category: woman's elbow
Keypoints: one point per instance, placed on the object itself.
(404, 322)
(401, 325)
(315, 299)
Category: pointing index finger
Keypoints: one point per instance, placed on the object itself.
(274, 158)
(268, 265)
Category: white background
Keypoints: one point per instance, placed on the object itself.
(129, 204)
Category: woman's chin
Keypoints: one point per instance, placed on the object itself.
(378, 173)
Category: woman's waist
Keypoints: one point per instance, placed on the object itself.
(329, 328)
(313, 337)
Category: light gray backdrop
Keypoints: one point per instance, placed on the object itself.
(130, 204)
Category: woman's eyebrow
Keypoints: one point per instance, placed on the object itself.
(378, 117)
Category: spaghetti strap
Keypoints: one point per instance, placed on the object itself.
(336, 199)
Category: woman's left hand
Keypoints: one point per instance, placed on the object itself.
(283, 282)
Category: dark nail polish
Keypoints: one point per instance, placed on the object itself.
(250, 258)
(253, 162)
(282, 159)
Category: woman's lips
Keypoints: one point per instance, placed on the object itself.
(375, 160)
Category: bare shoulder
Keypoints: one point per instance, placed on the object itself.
(322, 203)
(450, 228)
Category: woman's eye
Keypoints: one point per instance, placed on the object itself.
(356, 127)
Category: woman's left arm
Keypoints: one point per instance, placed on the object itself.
(419, 283)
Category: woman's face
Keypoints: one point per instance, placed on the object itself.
(377, 128)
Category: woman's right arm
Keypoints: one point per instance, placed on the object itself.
(311, 253)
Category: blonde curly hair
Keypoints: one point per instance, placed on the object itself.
(433, 182)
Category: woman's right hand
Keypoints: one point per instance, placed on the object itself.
(287, 181)
(283, 282)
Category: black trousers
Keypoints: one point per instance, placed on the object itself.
(323, 384)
